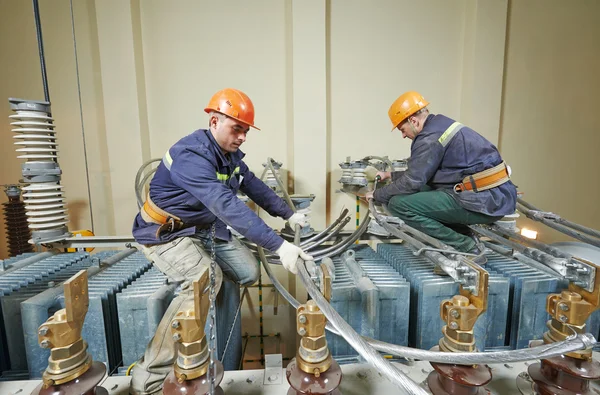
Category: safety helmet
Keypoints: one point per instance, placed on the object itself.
(404, 106)
(233, 103)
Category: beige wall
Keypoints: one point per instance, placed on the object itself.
(322, 75)
(550, 129)
(455, 56)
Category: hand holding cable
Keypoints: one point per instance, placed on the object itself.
(289, 254)
(300, 217)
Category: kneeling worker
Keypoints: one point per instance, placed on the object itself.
(455, 176)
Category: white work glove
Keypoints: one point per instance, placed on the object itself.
(289, 254)
(299, 218)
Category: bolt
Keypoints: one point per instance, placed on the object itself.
(181, 378)
(175, 324)
(302, 319)
(317, 372)
(582, 270)
(45, 344)
(273, 377)
(563, 318)
(453, 325)
(302, 331)
(43, 331)
(563, 306)
(455, 313)
(177, 337)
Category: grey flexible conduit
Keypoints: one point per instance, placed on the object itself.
(138, 176)
(355, 340)
(562, 221)
(561, 228)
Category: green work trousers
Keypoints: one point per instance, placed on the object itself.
(437, 214)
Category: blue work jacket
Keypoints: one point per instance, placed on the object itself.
(441, 155)
(198, 183)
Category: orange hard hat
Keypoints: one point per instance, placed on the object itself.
(404, 106)
(233, 103)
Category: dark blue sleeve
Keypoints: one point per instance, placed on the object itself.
(425, 158)
(262, 195)
(197, 174)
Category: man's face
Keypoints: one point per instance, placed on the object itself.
(409, 128)
(229, 133)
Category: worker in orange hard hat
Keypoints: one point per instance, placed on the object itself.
(455, 177)
(189, 209)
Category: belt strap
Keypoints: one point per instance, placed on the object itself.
(484, 180)
(150, 212)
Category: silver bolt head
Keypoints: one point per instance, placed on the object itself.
(563, 306)
(455, 313)
(43, 331)
(175, 324)
(453, 325)
(45, 344)
(563, 318)
(177, 337)
(302, 331)
(302, 319)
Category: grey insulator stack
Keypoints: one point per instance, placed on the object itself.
(35, 139)
(15, 222)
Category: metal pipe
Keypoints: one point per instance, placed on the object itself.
(328, 236)
(387, 161)
(117, 257)
(537, 244)
(355, 340)
(556, 264)
(286, 195)
(503, 250)
(40, 41)
(338, 248)
(562, 221)
(28, 261)
(369, 294)
(421, 236)
(561, 228)
(448, 265)
(316, 238)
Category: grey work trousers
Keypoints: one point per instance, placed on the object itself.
(184, 260)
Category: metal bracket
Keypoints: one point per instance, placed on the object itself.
(581, 273)
(467, 277)
(273, 369)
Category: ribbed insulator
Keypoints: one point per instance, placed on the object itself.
(15, 221)
(45, 206)
(35, 139)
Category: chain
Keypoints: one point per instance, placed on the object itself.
(211, 374)
(233, 324)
